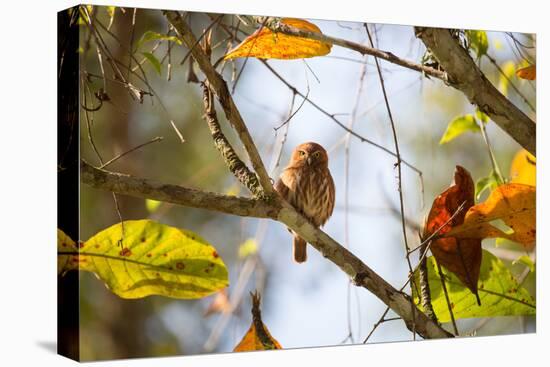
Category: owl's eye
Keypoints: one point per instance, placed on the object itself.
(302, 153)
(317, 154)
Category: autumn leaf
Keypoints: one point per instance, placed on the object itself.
(512, 204)
(460, 256)
(154, 259)
(524, 168)
(257, 337)
(265, 44)
(529, 72)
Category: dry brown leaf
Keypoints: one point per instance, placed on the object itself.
(264, 44)
(460, 256)
(257, 337)
(514, 204)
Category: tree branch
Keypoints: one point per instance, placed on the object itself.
(276, 26)
(281, 211)
(219, 87)
(149, 189)
(464, 75)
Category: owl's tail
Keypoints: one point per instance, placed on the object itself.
(300, 249)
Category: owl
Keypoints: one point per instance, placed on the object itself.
(307, 185)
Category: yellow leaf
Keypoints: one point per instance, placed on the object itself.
(529, 72)
(248, 247)
(509, 68)
(257, 337)
(524, 168)
(264, 44)
(513, 205)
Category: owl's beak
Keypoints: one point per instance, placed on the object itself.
(309, 160)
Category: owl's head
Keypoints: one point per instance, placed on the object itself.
(309, 154)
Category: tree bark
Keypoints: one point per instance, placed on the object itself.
(464, 75)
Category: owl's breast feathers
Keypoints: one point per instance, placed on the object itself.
(311, 191)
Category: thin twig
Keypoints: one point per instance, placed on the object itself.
(398, 165)
(449, 306)
(116, 158)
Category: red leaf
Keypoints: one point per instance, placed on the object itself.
(460, 256)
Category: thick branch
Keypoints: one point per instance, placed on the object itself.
(281, 211)
(464, 75)
(149, 189)
(219, 87)
(232, 160)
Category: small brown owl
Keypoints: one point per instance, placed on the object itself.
(307, 185)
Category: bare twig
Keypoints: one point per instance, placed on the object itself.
(114, 159)
(450, 307)
(219, 87)
(399, 175)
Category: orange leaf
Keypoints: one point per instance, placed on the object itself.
(524, 169)
(264, 44)
(460, 256)
(257, 337)
(529, 72)
(514, 204)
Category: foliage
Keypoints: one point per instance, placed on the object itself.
(459, 126)
(265, 44)
(499, 292)
(148, 258)
(460, 256)
(478, 42)
(514, 204)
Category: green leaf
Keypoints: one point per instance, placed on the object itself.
(153, 36)
(459, 126)
(155, 259)
(486, 183)
(500, 293)
(481, 116)
(478, 42)
(248, 247)
(152, 205)
(153, 60)
(525, 260)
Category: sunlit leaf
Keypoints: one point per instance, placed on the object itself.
(487, 183)
(529, 72)
(525, 260)
(248, 247)
(513, 204)
(155, 36)
(524, 168)
(499, 291)
(65, 244)
(153, 60)
(508, 69)
(265, 44)
(257, 337)
(152, 205)
(459, 126)
(481, 116)
(460, 256)
(154, 259)
(478, 42)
